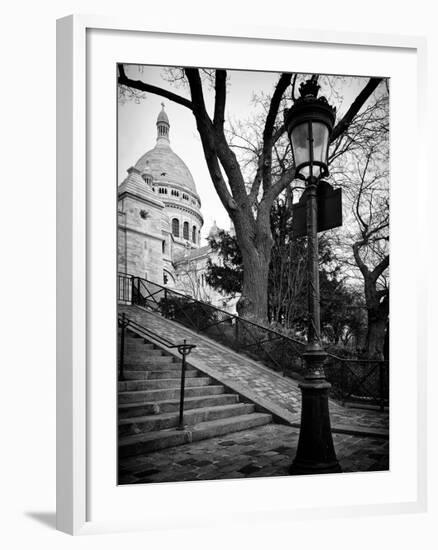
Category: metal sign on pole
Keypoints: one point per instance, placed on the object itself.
(329, 210)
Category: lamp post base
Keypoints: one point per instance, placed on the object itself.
(314, 469)
(316, 452)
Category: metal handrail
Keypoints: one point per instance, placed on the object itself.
(349, 360)
(184, 349)
(358, 380)
(342, 372)
(230, 316)
(205, 304)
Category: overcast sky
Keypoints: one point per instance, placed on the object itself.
(137, 129)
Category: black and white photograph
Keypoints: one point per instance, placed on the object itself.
(253, 288)
(219, 272)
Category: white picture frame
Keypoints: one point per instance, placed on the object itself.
(79, 38)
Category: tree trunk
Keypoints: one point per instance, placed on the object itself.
(378, 311)
(253, 303)
(377, 302)
(375, 341)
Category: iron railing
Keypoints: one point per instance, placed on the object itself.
(358, 381)
(353, 380)
(281, 353)
(183, 348)
(124, 285)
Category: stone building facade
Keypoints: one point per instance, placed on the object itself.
(160, 222)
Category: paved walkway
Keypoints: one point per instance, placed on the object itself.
(266, 451)
(279, 395)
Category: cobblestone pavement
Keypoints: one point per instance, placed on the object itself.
(261, 452)
(262, 385)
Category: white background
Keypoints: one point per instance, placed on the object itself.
(28, 269)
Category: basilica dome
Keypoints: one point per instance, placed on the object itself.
(169, 184)
(165, 166)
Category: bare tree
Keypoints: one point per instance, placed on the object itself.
(248, 203)
(372, 256)
(364, 240)
(191, 279)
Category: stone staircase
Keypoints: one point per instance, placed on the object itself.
(148, 402)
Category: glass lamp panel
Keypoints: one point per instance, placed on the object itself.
(320, 142)
(300, 143)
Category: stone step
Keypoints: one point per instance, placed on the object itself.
(153, 441)
(165, 383)
(139, 344)
(137, 351)
(130, 410)
(159, 374)
(147, 396)
(153, 361)
(154, 366)
(133, 335)
(146, 355)
(142, 424)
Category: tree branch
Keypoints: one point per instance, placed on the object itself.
(198, 102)
(257, 182)
(380, 268)
(207, 134)
(360, 263)
(123, 80)
(278, 133)
(355, 107)
(284, 180)
(280, 88)
(219, 105)
(215, 138)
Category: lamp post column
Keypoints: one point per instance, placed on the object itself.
(315, 453)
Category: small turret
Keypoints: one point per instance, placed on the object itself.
(163, 126)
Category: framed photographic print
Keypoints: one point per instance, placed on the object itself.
(231, 289)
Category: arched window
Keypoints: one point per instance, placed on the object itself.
(194, 234)
(175, 227)
(186, 230)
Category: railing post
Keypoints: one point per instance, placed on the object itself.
(183, 350)
(343, 383)
(127, 290)
(138, 292)
(133, 292)
(122, 324)
(283, 361)
(236, 330)
(166, 312)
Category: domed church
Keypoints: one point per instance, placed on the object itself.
(160, 221)
(159, 212)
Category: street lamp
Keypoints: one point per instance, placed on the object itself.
(309, 124)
